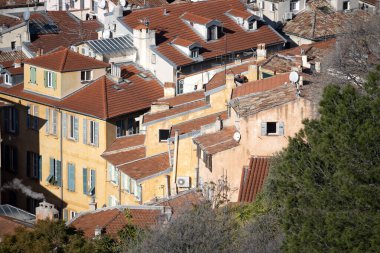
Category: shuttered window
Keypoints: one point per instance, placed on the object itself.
(71, 177)
(33, 165)
(272, 128)
(55, 175)
(85, 189)
(92, 182)
(32, 75)
(11, 121)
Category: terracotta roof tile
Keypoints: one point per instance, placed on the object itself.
(253, 178)
(172, 26)
(175, 110)
(100, 98)
(147, 166)
(196, 124)
(126, 142)
(260, 85)
(66, 60)
(195, 18)
(122, 157)
(183, 98)
(281, 64)
(219, 79)
(111, 220)
(217, 142)
(182, 42)
(9, 225)
(8, 21)
(240, 13)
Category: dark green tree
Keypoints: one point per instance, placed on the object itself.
(325, 186)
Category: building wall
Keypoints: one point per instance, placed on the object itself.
(187, 162)
(13, 35)
(299, 40)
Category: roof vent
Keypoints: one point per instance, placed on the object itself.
(116, 87)
(142, 75)
(127, 81)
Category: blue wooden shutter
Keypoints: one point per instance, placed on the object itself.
(76, 125)
(45, 78)
(54, 77)
(40, 168)
(71, 177)
(51, 173)
(96, 134)
(47, 124)
(6, 119)
(35, 117)
(28, 168)
(16, 120)
(281, 129)
(93, 182)
(84, 180)
(84, 131)
(64, 125)
(59, 173)
(263, 128)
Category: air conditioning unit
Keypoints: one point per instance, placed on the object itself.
(183, 182)
(288, 15)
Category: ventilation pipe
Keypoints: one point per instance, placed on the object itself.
(175, 162)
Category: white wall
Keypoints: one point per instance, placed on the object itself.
(13, 35)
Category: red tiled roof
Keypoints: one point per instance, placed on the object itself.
(217, 142)
(100, 98)
(171, 26)
(182, 42)
(175, 110)
(66, 60)
(8, 22)
(71, 31)
(196, 124)
(16, 71)
(113, 220)
(126, 142)
(252, 178)
(147, 166)
(9, 225)
(124, 156)
(144, 3)
(260, 85)
(240, 13)
(195, 18)
(183, 98)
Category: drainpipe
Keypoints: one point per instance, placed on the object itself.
(167, 190)
(119, 186)
(61, 158)
(175, 162)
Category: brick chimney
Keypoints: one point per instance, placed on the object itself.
(261, 52)
(169, 90)
(218, 124)
(46, 211)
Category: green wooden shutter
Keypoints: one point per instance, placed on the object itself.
(51, 173)
(93, 182)
(64, 125)
(76, 126)
(71, 177)
(85, 181)
(54, 77)
(263, 128)
(84, 131)
(28, 163)
(45, 78)
(47, 124)
(97, 134)
(59, 173)
(281, 130)
(32, 74)
(40, 168)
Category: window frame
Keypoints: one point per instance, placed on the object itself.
(49, 81)
(7, 79)
(159, 135)
(13, 45)
(87, 74)
(92, 138)
(154, 58)
(195, 53)
(71, 132)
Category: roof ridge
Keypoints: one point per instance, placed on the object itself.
(145, 157)
(64, 59)
(105, 95)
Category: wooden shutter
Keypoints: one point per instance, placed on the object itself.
(40, 168)
(84, 131)
(65, 214)
(85, 181)
(45, 78)
(6, 119)
(28, 113)
(47, 124)
(93, 182)
(64, 124)
(263, 128)
(96, 134)
(35, 117)
(76, 126)
(59, 173)
(28, 167)
(32, 74)
(123, 181)
(54, 77)
(51, 173)
(71, 177)
(15, 111)
(54, 122)
(281, 130)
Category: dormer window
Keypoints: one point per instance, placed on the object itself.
(195, 53)
(187, 47)
(7, 79)
(49, 79)
(212, 33)
(85, 76)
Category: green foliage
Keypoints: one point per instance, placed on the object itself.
(325, 186)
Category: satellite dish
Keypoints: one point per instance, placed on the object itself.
(237, 136)
(26, 15)
(102, 4)
(293, 77)
(123, 3)
(106, 34)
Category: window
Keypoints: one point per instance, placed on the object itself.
(72, 214)
(163, 135)
(112, 201)
(127, 126)
(126, 183)
(212, 33)
(195, 53)
(10, 160)
(180, 86)
(32, 75)
(32, 117)
(207, 159)
(250, 25)
(7, 79)
(273, 7)
(55, 175)
(90, 132)
(89, 181)
(208, 99)
(293, 5)
(33, 163)
(153, 59)
(50, 79)
(32, 204)
(346, 5)
(137, 192)
(71, 177)
(266, 75)
(113, 174)
(272, 128)
(13, 45)
(262, 3)
(11, 120)
(51, 121)
(85, 75)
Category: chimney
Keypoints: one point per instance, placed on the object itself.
(93, 204)
(218, 124)
(230, 85)
(17, 64)
(238, 60)
(300, 81)
(46, 211)
(98, 231)
(116, 72)
(165, 12)
(261, 52)
(169, 90)
(318, 67)
(253, 73)
(159, 107)
(304, 61)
